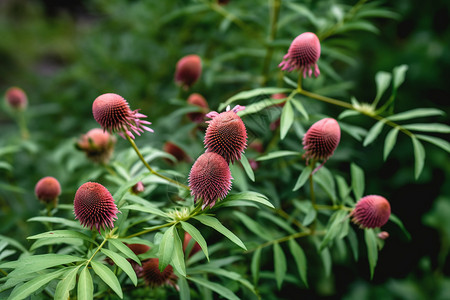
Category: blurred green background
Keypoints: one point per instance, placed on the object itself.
(66, 53)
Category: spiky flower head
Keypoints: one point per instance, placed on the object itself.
(177, 152)
(113, 113)
(155, 278)
(194, 249)
(210, 178)
(16, 98)
(371, 211)
(226, 134)
(97, 144)
(303, 55)
(94, 206)
(198, 100)
(48, 189)
(321, 139)
(188, 70)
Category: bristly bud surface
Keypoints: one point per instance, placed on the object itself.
(48, 189)
(371, 211)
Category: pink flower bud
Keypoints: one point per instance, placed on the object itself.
(303, 55)
(199, 101)
(176, 152)
(97, 144)
(188, 70)
(48, 189)
(138, 188)
(16, 98)
(371, 212)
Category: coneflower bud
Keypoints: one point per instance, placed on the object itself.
(303, 55)
(176, 152)
(188, 70)
(154, 278)
(97, 144)
(321, 139)
(94, 206)
(113, 113)
(383, 235)
(16, 98)
(195, 248)
(226, 134)
(48, 189)
(199, 101)
(210, 178)
(138, 188)
(371, 212)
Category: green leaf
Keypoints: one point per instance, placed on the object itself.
(197, 236)
(185, 292)
(214, 223)
(67, 283)
(166, 248)
(277, 154)
(326, 181)
(280, 264)
(372, 251)
(217, 288)
(399, 75)
(300, 259)
(357, 25)
(24, 290)
(124, 249)
(287, 118)
(85, 285)
(399, 223)
(5, 165)
(120, 193)
(52, 241)
(304, 175)
(280, 222)
(256, 261)
(419, 157)
(122, 263)
(416, 113)
(307, 208)
(178, 255)
(354, 131)
(326, 260)
(259, 92)
(249, 196)
(146, 209)
(428, 127)
(343, 188)
(382, 79)
(389, 143)
(56, 220)
(435, 140)
(248, 169)
(62, 234)
(36, 263)
(259, 106)
(373, 133)
(300, 108)
(108, 277)
(357, 181)
(334, 227)
(348, 113)
(353, 241)
(253, 226)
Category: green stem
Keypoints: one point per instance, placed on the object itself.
(299, 83)
(313, 196)
(291, 219)
(332, 207)
(3, 272)
(133, 144)
(96, 251)
(272, 35)
(23, 126)
(150, 230)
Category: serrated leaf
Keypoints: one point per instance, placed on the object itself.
(382, 79)
(373, 133)
(419, 157)
(259, 92)
(348, 113)
(416, 113)
(389, 143)
(287, 118)
(122, 263)
(256, 260)
(304, 175)
(248, 169)
(435, 140)
(300, 108)
(428, 127)
(398, 74)
(277, 154)
(107, 276)
(253, 226)
(166, 248)
(217, 288)
(372, 250)
(197, 236)
(125, 250)
(62, 234)
(85, 285)
(146, 209)
(215, 224)
(67, 283)
(24, 290)
(357, 181)
(178, 255)
(280, 264)
(300, 260)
